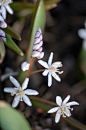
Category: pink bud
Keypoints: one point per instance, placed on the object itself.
(41, 55)
(35, 54)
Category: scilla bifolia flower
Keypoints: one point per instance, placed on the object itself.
(4, 4)
(20, 92)
(51, 69)
(63, 108)
(25, 66)
(37, 45)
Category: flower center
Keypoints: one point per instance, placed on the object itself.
(63, 108)
(20, 92)
(52, 69)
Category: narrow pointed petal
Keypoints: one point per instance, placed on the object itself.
(9, 9)
(43, 63)
(25, 83)
(27, 100)
(16, 101)
(10, 90)
(3, 11)
(15, 82)
(58, 100)
(66, 100)
(31, 92)
(57, 117)
(72, 103)
(56, 76)
(1, 18)
(52, 110)
(57, 64)
(67, 112)
(49, 80)
(45, 72)
(50, 59)
(25, 66)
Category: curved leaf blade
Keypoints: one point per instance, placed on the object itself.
(11, 44)
(16, 121)
(37, 21)
(2, 50)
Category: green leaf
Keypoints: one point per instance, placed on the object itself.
(22, 5)
(37, 21)
(2, 50)
(11, 44)
(9, 30)
(11, 119)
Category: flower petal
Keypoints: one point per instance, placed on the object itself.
(25, 83)
(27, 100)
(1, 18)
(82, 33)
(45, 72)
(49, 80)
(58, 100)
(31, 92)
(57, 64)
(9, 9)
(43, 63)
(67, 112)
(66, 100)
(72, 103)
(15, 82)
(52, 110)
(10, 90)
(16, 101)
(3, 11)
(25, 66)
(57, 117)
(50, 59)
(56, 76)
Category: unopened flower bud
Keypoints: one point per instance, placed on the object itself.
(41, 55)
(25, 66)
(35, 54)
(2, 35)
(3, 24)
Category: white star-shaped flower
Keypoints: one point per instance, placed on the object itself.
(51, 69)
(63, 107)
(20, 92)
(25, 66)
(5, 6)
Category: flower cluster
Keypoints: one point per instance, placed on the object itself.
(37, 45)
(63, 108)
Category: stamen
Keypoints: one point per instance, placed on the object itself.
(71, 109)
(15, 99)
(64, 115)
(61, 72)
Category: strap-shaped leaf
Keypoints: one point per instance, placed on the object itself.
(2, 50)
(11, 44)
(37, 21)
(9, 30)
(11, 119)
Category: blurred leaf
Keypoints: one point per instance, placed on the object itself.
(11, 44)
(2, 50)
(37, 21)
(11, 119)
(25, 13)
(22, 5)
(46, 105)
(9, 30)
